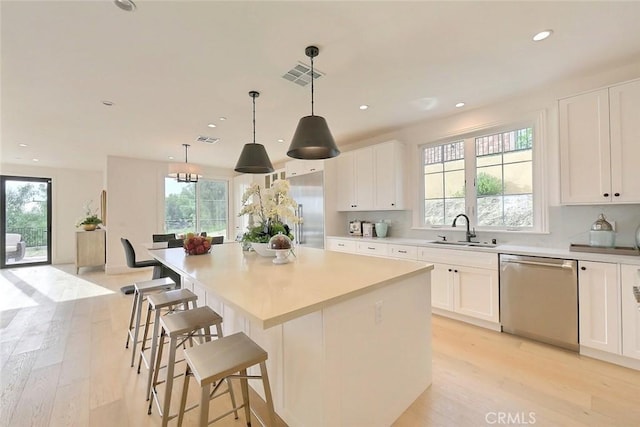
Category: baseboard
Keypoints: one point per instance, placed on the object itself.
(461, 317)
(616, 359)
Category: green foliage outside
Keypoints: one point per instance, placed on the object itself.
(488, 185)
(183, 213)
(26, 208)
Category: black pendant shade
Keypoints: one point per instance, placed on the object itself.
(312, 139)
(254, 158)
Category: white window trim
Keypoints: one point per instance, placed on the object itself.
(537, 121)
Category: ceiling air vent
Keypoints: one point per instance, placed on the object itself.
(301, 74)
(207, 139)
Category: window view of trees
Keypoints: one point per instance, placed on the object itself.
(502, 191)
(26, 211)
(196, 207)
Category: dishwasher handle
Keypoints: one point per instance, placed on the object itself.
(564, 265)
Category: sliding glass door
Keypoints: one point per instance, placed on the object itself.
(25, 221)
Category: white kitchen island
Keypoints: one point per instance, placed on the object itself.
(348, 336)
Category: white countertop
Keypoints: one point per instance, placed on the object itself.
(506, 249)
(272, 294)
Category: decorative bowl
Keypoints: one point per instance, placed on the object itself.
(262, 249)
(197, 245)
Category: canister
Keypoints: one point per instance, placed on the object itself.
(602, 234)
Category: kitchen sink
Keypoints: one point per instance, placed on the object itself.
(468, 244)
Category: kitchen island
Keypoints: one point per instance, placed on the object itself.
(348, 336)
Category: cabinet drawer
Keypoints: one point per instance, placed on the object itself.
(341, 245)
(459, 257)
(403, 251)
(372, 248)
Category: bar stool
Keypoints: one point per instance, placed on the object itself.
(180, 327)
(225, 358)
(157, 303)
(140, 290)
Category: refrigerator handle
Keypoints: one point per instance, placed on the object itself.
(299, 234)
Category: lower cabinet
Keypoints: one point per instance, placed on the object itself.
(469, 287)
(341, 245)
(630, 299)
(599, 306)
(90, 249)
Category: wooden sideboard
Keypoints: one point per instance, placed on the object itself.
(90, 249)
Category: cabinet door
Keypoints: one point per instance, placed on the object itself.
(476, 292)
(90, 248)
(624, 104)
(630, 296)
(442, 287)
(302, 167)
(346, 182)
(585, 172)
(599, 306)
(389, 176)
(340, 245)
(364, 179)
(372, 248)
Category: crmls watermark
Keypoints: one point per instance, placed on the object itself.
(510, 418)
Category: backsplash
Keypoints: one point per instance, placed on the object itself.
(567, 224)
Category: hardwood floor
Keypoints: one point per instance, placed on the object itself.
(63, 363)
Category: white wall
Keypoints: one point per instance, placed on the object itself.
(71, 191)
(566, 223)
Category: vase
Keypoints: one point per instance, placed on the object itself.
(89, 227)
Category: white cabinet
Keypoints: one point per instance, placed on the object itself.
(240, 184)
(599, 134)
(355, 180)
(464, 282)
(630, 299)
(371, 248)
(371, 178)
(90, 249)
(403, 251)
(599, 306)
(389, 176)
(302, 167)
(271, 177)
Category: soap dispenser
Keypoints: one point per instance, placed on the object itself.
(602, 233)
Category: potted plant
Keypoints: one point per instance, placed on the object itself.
(270, 212)
(91, 221)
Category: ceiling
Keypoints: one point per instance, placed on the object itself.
(172, 67)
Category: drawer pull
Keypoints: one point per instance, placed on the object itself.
(370, 248)
(340, 244)
(636, 293)
(402, 252)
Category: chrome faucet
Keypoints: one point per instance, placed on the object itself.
(469, 233)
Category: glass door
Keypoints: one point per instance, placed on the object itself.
(25, 221)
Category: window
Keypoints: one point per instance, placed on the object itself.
(196, 207)
(488, 176)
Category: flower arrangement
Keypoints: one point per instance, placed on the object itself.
(268, 209)
(90, 218)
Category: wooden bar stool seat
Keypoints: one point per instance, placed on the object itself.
(140, 291)
(157, 304)
(225, 358)
(179, 328)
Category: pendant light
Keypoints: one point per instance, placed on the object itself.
(254, 158)
(185, 172)
(312, 139)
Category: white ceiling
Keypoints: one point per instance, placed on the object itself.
(172, 67)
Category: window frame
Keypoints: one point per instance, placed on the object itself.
(539, 193)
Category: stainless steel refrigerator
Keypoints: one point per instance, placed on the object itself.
(308, 191)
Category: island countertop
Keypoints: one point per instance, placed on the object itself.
(272, 294)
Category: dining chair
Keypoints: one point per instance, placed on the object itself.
(163, 237)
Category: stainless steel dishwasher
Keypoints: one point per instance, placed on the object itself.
(539, 299)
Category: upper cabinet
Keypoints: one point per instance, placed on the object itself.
(302, 167)
(600, 145)
(371, 178)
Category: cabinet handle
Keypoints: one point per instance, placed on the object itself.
(617, 194)
(606, 194)
(370, 248)
(340, 244)
(393, 204)
(402, 252)
(450, 269)
(455, 271)
(583, 268)
(312, 169)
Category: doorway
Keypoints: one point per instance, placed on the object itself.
(25, 221)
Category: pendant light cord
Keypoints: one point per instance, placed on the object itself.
(186, 151)
(312, 86)
(254, 119)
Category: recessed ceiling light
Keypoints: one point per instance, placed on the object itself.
(36, 160)
(107, 103)
(281, 140)
(126, 5)
(211, 125)
(542, 35)
(22, 145)
(170, 157)
(363, 107)
(460, 104)
(223, 118)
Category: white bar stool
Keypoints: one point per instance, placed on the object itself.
(225, 358)
(140, 290)
(180, 327)
(157, 303)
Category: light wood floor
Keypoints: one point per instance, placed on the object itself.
(63, 363)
